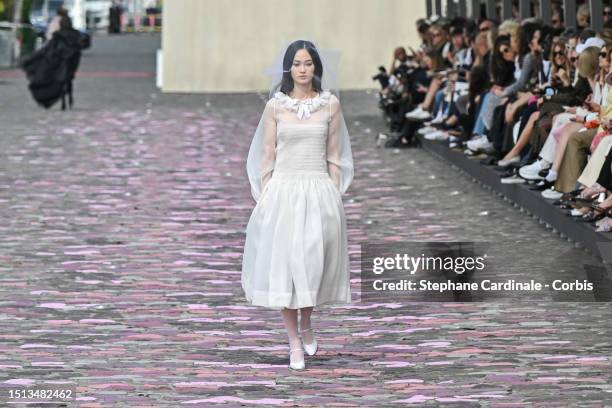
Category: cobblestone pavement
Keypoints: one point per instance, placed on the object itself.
(122, 230)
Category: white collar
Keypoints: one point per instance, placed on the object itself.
(304, 107)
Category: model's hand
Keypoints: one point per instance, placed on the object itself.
(563, 77)
(570, 109)
(498, 92)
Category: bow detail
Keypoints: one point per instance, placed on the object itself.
(304, 109)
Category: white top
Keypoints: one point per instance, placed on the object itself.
(304, 135)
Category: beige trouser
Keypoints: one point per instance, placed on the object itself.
(593, 168)
(574, 159)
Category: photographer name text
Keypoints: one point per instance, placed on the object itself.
(485, 284)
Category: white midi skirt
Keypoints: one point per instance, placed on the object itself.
(296, 248)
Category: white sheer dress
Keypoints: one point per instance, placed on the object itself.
(296, 248)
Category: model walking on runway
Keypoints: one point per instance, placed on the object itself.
(299, 165)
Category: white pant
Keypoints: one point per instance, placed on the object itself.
(590, 174)
(550, 146)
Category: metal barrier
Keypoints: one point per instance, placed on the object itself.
(6, 48)
(10, 45)
(472, 9)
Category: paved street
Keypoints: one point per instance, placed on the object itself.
(121, 234)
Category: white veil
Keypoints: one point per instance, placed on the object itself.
(261, 158)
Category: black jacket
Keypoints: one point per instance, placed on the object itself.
(51, 67)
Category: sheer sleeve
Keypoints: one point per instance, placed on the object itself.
(339, 154)
(269, 143)
(262, 153)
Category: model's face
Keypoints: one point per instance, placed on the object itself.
(485, 26)
(458, 41)
(556, 20)
(482, 46)
(534, 44)
(574, 58)
(607, 13)
(437, 36)
(559, 55)
(302, 69)
(604, 61)
(506, 52)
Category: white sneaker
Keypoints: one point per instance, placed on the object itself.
(380, 139)
(425, 130)
(576, 213)
(530, 172)
(438, 119)
(512, 180)
(418, 113)
(481, 143)
(297, 364)
(506, 163)
(551, 194)
(438, 135)
(311, 348)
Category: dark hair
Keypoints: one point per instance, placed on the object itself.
(437, 61)
(65, 23)
(457, 31)
(560, 43)
(457, 22)
(286, 84)
(470, 27)
(479, 81)
(585, 34)
(525, 35)
(569, 33)
(502, 71)
(422, 26)
(472, 35)
(546, 39)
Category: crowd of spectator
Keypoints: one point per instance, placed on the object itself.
(530, 99)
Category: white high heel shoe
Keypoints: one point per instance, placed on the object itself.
(311, 348)
(298, 365)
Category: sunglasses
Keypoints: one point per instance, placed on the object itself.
(555, 21)
(573, 59)
(607, 13)
(505, 50)
(558, 54)
(603, 54)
